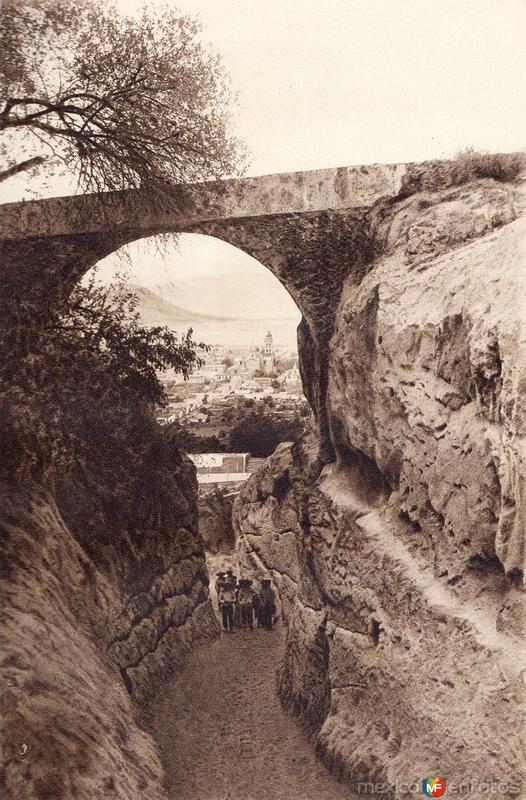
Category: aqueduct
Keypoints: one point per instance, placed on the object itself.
(374, 585)
(309, 228)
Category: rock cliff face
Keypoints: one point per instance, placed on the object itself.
(90, 628)
(400, 564)
(157, 568)
(215, 521)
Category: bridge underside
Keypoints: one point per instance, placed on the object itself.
(310, 229)
(311, 255)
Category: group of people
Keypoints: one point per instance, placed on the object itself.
(240, 603)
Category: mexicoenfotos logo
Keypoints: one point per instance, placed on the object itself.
(433, 787)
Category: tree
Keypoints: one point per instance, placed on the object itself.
(191, 442)
(119, 101)
(74, 383)
(260, 433)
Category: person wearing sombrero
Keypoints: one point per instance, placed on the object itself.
(227, 601)
(220, 579)
(245, 600)
(232, 580)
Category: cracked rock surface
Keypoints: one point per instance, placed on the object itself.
(90, 628)
(400, 565)
(68, 725)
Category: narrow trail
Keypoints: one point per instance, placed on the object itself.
(223, 734)
(478, 613)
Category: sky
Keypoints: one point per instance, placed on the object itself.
(340, 82)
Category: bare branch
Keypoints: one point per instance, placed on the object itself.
(123, 101)
(23, 166)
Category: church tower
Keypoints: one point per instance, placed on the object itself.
(268, 355)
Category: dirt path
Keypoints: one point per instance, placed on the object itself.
(222, 732)
(480, 613)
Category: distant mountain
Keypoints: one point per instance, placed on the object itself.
(155, 310)
(216, 330)
(258, 296)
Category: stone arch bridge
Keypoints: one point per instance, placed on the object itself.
(309, 228)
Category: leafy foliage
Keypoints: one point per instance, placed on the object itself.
(190, 442)
(129, 479)
(249, 426)
(466, 166)
(119, 101)
(71, 383)
(470, 164)
(259, 433)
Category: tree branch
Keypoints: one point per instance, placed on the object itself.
(22, 167)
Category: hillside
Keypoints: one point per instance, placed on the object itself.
(155, 310)
(225, 330)
(254, 296)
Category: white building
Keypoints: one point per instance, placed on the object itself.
(291, 377)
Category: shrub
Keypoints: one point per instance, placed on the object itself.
(468, 165)
(189, 442)
(71, 381)
(259, 433)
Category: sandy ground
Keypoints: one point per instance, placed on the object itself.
(222, 732)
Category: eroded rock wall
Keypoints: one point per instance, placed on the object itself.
(400, 565)
(68, 724)
(156, 565)
(215, 520)
(427, 365)
(91, 626)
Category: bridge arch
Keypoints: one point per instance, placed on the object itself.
(215, 282)
(309, 229)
